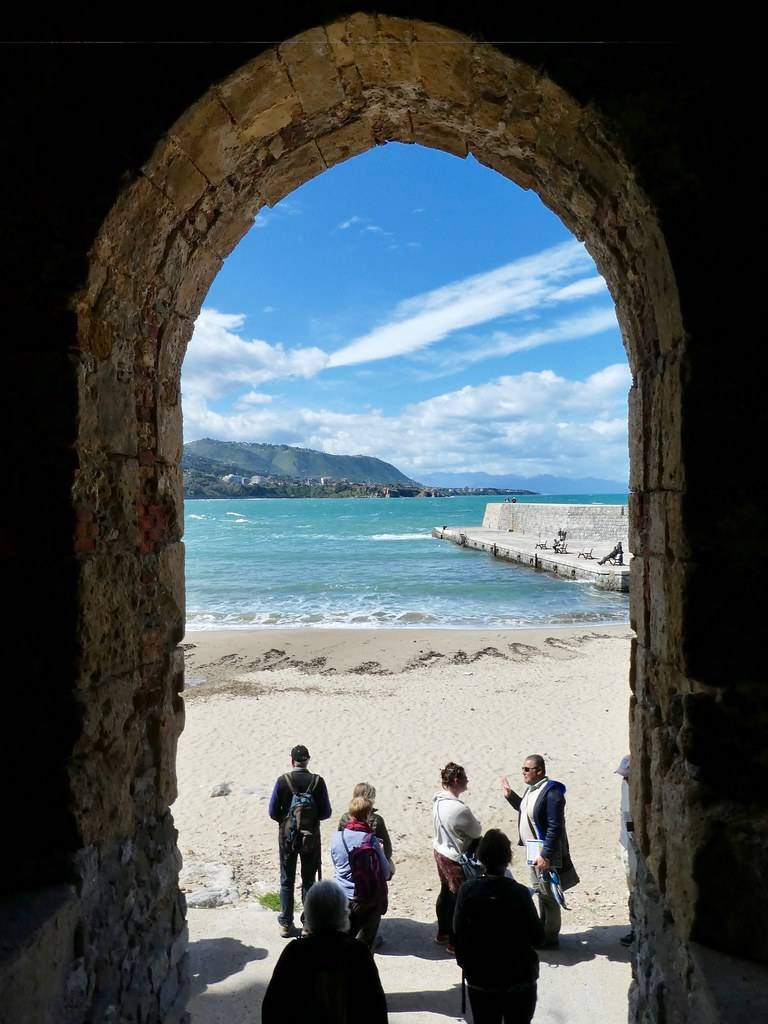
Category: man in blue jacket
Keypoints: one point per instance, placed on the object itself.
(305, 844)
(541, 818)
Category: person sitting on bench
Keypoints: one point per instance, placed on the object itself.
(615, 557)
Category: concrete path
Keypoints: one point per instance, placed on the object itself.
(234, 949)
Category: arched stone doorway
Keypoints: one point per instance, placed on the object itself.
(272, 124)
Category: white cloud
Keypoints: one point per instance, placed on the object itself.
(580, 289)
(219, 360)
(253, 398)
(516, 287)
(573, 328)
(530, 423)
(345, 225)
(286, 207)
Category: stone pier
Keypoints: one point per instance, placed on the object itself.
(524, 532)
(523, 549)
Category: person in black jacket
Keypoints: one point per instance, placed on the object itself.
(541, 821)
(496, 928)
(299, 780)
(325, 976)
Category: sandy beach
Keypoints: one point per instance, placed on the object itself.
(391, 707)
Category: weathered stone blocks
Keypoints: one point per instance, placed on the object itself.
(311, 71)
(116, 324)
(261, 97)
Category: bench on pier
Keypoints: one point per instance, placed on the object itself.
(542, 544)
(586, 554)
(558, 544)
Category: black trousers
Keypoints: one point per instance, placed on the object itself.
(310, 865)
(364, 919)
(514, 1007)
(444, 908)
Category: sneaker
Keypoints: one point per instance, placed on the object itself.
(450, 949)
(441, 940)
(286, 931)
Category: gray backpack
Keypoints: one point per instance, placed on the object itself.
(299, 829)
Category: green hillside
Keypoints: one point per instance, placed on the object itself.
(246, 459)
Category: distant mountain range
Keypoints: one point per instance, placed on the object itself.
(539, 484)
(243, 458)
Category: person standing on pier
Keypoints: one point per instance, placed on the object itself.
(299, 802)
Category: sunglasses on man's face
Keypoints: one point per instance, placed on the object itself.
(526, 769)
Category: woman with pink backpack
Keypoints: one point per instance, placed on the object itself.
(362, 870)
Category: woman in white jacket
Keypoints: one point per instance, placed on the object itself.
(456, 831)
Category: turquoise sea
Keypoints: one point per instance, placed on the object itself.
(367, 562)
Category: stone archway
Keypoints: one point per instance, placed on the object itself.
(284, 117)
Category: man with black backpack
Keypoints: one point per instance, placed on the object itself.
(496, 930)
(299, 802)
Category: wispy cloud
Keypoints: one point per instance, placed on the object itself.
(285, 208)
(221, 360)
(366, 226)
(502, 343)
(580, 289)
(422, 320)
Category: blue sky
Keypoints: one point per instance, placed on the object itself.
(420, 308)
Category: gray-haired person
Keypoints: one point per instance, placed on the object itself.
(325, 975)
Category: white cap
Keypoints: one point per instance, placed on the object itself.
(623, 769)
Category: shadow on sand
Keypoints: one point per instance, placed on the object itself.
(576, 947)
(240, 1007)
(213, 960)
(446, 1003)
(415, 938)
(410, 938)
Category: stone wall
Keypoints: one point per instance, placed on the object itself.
(130, 173)
(609, 523)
